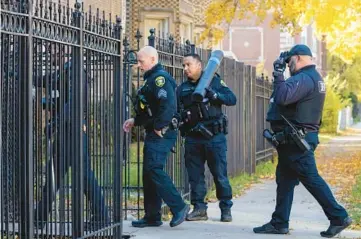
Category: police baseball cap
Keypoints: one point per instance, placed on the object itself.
(300, 50)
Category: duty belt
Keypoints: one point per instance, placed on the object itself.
(283, 138)
(289, 136)
(210, 128)
(173, 125)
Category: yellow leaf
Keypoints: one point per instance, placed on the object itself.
(339, 20)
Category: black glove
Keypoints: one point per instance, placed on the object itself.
(211, 94)
(279, 65)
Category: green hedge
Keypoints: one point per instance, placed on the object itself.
(333, 104)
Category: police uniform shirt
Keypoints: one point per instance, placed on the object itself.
(159, 91)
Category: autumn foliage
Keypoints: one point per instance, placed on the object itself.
(338, 20)
(342, 171)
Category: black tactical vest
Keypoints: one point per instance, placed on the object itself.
(193, 113)
(307, 111)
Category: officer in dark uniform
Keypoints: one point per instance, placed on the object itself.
(156, 110)
(204, 128)
(60, 165)
(300, 101)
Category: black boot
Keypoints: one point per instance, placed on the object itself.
(270, 229)
(197, 215)
(179, 217)
(226, 215)
(333, 230)
(144, 222)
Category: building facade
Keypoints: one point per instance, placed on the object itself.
(259, 45)
(253, 44)
(183, 19)
(110, 8)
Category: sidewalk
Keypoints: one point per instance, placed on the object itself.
(254, 208)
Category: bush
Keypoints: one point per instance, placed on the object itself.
(333, 104)
(357, 119)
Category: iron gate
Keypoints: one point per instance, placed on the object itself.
(61, 113)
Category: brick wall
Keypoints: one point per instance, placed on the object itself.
(199, 14)
(199, 10)
(108, 6)
(177, 10)
(133, 13)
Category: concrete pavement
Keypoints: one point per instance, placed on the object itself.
(254, 208)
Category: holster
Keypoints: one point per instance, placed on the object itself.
(212, 127)
(203, 131)
(299, 139)
(291, 136)
(173, 125)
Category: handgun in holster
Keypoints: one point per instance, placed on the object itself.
(216, 127)
(174, 124)
(203, 130)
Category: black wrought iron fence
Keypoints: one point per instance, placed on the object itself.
(264, 150)
(67, 79)
(60, 121)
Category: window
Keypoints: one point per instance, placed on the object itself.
(185, 32)
(161, 26)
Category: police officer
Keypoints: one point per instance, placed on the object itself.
(61, 163)
(204, 127)
(156, 108)
(300, 100)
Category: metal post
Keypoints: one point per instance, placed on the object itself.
(125, 107)
(151, 38)
(1, 133)
(253, 119)
(138, 37)
(118, 162)
(26, 127)
(264, 113)
(77, 83)
(193, 48)
(171, 47)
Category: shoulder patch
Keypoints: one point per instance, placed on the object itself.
(321, 87)
(162, 94)
(160, 81)
(223, 83)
